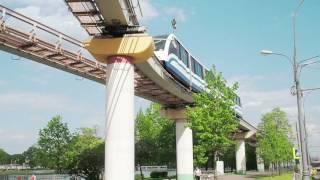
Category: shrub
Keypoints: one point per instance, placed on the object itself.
(158, 174)
(138, 177)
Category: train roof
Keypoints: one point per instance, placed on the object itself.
(164, 36)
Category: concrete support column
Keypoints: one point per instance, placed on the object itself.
(260, 164)
(119, 150)
(184, 151)
(240, 156)
(220, 168)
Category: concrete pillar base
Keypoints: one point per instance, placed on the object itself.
(185, 177)
(184, 143)
(260, 164)
(220, 168)
(260, 167)
(184, 151)
(240, 156)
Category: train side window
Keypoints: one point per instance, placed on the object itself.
(184, 56)
(198, 69)
(238, 101)
(206, 72)
(193, 65)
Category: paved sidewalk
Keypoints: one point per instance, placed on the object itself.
(235, 177)
(251, 175)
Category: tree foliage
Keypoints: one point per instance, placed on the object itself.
(155, 138)
(26, 157)
(32, 156)
(53, 143)
(274, 144)
(85, 154)
(4, 157)
(17, 158)
(212, 118)
(80, 153)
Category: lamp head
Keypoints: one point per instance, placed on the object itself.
(266, 52)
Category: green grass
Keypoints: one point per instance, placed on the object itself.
(281, 177)
(138, 177)
(15, 172)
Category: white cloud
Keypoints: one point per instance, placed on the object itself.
(177, 13)
(39, 80)
(141, 103)
(315, 108)
(262, 98)
(256, 102)
(246, 80)
(33, 101)
(148, 11)
(16, 141)
(61, 20)
(313, 128)
(97, 119)
(313, 132)
(56, 14)
(52, 13)
(2, 83)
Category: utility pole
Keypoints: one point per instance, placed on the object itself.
(302, 128)
(299, 146)
(297, 67)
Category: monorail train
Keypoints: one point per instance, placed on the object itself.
(180, 63)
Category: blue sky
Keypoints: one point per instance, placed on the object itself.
(228, 34)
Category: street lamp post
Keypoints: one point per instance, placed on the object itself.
(297, 67)
(302, 129)
(298, 91)
(302, 140)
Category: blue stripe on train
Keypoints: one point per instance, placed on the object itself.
(183, 78)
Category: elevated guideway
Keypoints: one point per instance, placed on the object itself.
(100, 17)
(27, 38)
(93, 20)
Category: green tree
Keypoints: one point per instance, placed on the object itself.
(229, 158)
(251, 157)
(17, 158)
(273, 142)
(4, 157)
(53, 143)
(33, 156)
(212, 118)
(155, 138)
(85, 154)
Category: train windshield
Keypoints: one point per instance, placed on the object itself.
(159, 44)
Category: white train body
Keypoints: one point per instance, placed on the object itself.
(181, 64)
